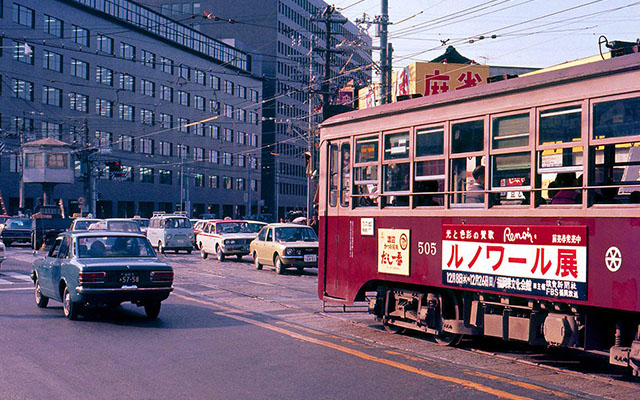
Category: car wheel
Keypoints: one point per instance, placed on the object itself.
(239, 257)
(69, 307)
(160, 248)
(278, 264)
(219, 254)
(189, 251)
(7, 243)
(152, 309)
(256, 262)
(300, 270)
(203, 254)
(41, 300)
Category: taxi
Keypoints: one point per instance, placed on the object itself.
(101, 267)
(285, 245)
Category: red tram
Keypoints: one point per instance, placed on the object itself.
(508, 210)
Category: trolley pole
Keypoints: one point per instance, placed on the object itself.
(385, 64)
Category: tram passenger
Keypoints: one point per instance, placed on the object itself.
(477, 188)
(565, 195)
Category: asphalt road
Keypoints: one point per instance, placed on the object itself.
(229, 331)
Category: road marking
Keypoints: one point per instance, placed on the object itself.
(6, 282)
(21, 277)
(16, 289)
(356, 353)
(524, 385)
(261, 283)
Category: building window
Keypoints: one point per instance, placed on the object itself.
(228, 134)
(104, 139)
(227, 158)
(23, 52)
(215, 132)
(80, 35)
(183, 98)
(126, 143)
(242, 91)
(213, 181)
(212, 156)
(52, 130)
(198, 76)
(51, 96)
(166, 148)
(148, 88)
(198, 129)
(214, 107)
(24, 16)
(198, 154)
(78, 102)
(182, 125)
(183, 151)
(52, 61)
(240, 184)
(166, 93)
(214, 82)
(146, 146)
(104, 108)
(241, 114)
(105, 44)
(79, 69)
(166, 65)
(198, 180)
(57, 161)
(126, 112)
(184, 72)
(127, 51)
(148, 59)
(146, 175)
(228, 87)
(166, 121)
(198, 102)
(228, 111)
(227, 182)
(127, 82)
(53, 26)
(165, 176)
(104, 76)
(241, 160)
(146, 117)
(254, 96)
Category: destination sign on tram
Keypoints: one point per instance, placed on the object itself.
(548, 261)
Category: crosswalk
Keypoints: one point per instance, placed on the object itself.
(14, 278)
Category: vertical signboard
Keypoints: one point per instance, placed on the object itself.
(547, 261)
(393, 251)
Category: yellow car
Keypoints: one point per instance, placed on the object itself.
(284, 246)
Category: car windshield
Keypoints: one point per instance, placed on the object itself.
(254, 226)
(295, 234)
(232, 227)
(123, 226)
(83, 225)
(19, 224)
(172, 223)
(3, 219)
(114, 246)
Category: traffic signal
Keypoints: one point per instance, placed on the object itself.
(115, 168)
(308, 164)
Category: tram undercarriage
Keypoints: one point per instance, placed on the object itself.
(449, 315)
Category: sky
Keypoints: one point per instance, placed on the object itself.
(528, 33)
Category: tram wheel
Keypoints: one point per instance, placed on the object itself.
(447, 339)
(392, 328)
(449, 309)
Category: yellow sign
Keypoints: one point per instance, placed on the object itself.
(393, 251)
(428, 79)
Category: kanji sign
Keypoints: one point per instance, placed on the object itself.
(548, 261)
(393, 251)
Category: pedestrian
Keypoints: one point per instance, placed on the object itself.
(314, 223)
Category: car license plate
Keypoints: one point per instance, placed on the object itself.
(127, 278)
(310, 257)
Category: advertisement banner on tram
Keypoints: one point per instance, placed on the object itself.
(547, 261)
(393, 251)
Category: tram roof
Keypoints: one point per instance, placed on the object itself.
(553, 77)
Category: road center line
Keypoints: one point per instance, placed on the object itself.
(356, 353)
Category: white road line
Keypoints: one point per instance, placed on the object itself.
(260, 283)
(20, 277)
(18, 289)
(6, 282)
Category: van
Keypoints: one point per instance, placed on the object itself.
(170, 232)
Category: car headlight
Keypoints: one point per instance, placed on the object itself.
(289, 252)
(229, 242)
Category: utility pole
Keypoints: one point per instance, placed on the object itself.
(382, 23)
(328, 19)
(181, 177)
(311, 134)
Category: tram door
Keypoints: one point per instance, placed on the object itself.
(337, 217)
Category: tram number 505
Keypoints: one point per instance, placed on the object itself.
(427, 248)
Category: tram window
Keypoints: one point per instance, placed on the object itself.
(467, 137)
(560, 125)
(511, 131)
(511, 179)
(396, 179)
(345, 179)
(333, 175)
(467, 180)
(559, 172)
(430, 142)
(429, 180)
(366, 150)
(396, 145)
(365, 186)
(616, 118)
(616, 173)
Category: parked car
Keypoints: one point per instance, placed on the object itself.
(3, 221)
(225, 238)
(16, 230)
(285, 245)
(116, 225)
(82, 224)
(85, 268)
(170, 232)
(197, 228)
(255, 226)
(143, 224)
(2, 253)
